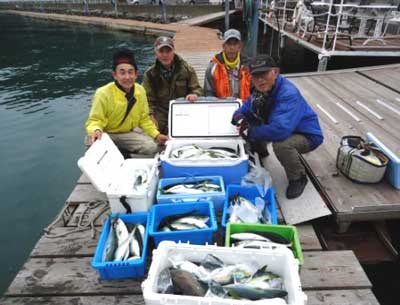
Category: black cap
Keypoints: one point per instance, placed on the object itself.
(123, 56)
(261, 63)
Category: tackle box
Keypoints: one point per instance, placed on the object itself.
(250, 193)
(393, 169)
(280, 261)
(216, 197)
(207, 124)
(106, 168)
(195, 236)
(288, 232)
(121, 269)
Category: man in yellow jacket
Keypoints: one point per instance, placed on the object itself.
(120, 107)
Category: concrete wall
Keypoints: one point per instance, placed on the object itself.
(137, 12)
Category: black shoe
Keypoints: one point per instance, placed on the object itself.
(296, 187)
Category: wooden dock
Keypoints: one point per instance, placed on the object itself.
(58, 270)
(354, 102)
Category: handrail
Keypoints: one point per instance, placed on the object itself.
(341, 19)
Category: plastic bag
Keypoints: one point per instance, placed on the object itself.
(259, 177)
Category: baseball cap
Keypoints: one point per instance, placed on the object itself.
(232, 33)
(163, 41)
(261, 63)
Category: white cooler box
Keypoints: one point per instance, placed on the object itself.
(279, 260)
(205, 124)
(106, 168)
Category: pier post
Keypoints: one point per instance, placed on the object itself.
(322, 62)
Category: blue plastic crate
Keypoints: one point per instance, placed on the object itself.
(217, 198)
(393, 169)
(196, 236)
(119, 269)
(250, 193)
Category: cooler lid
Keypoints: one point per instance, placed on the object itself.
(206, 118)
(101, 162)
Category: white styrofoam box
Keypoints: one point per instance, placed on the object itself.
(206, 123)
(280, 261)
(110, 173)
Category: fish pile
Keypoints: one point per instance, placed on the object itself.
(186, 221)
(140, 179)
(241, 210)
(198, 187)
(124, 242)
(213, 278)
(192, 151)
(259, 240)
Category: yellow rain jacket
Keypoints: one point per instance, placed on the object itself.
(108, 109)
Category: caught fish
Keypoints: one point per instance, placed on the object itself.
(186, 221)
(253, 293)
(140, 179)
(121, 231)
(243, 210)
(195, 152)
(186, 283)
(258, 244)
(248, 236)
(197, 187)
(111, 243)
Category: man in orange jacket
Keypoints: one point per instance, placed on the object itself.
(226, 75)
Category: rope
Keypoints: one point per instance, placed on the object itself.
(81, 226)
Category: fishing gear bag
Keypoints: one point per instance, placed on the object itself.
(361, 161)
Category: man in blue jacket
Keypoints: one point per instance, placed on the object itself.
(277, 112)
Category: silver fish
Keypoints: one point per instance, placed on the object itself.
(254, 293)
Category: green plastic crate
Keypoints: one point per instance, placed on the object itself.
(288, 232)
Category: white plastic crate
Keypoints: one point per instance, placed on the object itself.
(106, 168)
(280, 261)
(206, 124)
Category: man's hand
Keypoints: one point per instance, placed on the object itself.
(95, 136)
(161, 139)
(244, 130)
(191, 97)
(237, 119)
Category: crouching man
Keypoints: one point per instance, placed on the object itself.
(121, 106)
(277, 112)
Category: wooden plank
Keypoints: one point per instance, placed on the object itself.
(308, 238)
(307, 207)
(83, 179)
(77, 300)
(200, 20)
(70, 243)
(75, 276)
(388, 76)
(332, 270)
(199, 61)
(85, 213)
(66, 276)
(342, 297)
(85, 193)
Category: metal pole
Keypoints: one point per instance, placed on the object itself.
(327, 25)
(254, 31)
(227, 15)
(339, 20)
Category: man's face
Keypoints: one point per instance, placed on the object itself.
(165, 55)
(264, 81)
(125, 75)
(231, 48)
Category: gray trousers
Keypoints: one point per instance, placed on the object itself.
(288, 153)
(134, 142)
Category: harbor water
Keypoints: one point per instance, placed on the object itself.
(48, 74)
